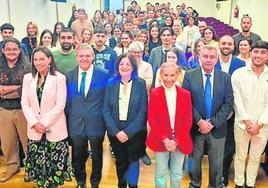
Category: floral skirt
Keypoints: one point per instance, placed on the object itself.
(48, 163)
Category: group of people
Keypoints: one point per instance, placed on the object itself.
(120, 73)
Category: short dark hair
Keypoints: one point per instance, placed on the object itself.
(66, 30)
(100, 30)
(260, 44)
(132, 62)
(7, 26)
(48, 53)
(167, 29)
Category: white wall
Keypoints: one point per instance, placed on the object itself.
(42, 12)
(257, 9)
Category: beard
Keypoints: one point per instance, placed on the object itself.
(245, 30)
(66, 46)
(225, 53)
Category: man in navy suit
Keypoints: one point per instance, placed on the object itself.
(85, 94)
(212, 100)
(228, 63)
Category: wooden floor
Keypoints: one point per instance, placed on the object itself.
(146, 179)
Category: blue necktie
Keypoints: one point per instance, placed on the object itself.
(83, 83)
(208, 99)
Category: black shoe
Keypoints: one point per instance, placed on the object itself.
(239, 186)
(146, 159)
(265, 167)
(249, 186)
(224, 182)
(111, 150)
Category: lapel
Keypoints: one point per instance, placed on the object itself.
(74, 81)
(94, 83)
(164, 105)
(216, 83)
(232, 66)
(178, 105)
(48, 87)
(32, 90)
(199, 83)
(132, 95)
(162, 56)
(218, 65)
(115, 97)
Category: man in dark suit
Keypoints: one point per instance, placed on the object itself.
(85, 94)
(228, 63)
(212, 100)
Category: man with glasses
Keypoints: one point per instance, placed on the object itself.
(13, 66)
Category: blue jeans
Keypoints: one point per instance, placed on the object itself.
(165, 163)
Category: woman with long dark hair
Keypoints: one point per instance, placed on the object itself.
(43, 101)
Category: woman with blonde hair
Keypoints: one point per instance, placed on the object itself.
(31, 40)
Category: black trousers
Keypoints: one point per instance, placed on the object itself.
(229, 148)
(144, 137)
(79, 158)
(125, 154)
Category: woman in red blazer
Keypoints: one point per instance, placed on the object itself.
(170, 119)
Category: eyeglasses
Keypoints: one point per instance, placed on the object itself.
(11, 49)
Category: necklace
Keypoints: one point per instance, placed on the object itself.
(31, 43)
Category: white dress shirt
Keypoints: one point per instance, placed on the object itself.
(250, 97)
(225, 66)
(124, 97)
(171, 98)
(88, 78)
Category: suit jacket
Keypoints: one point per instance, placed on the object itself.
(159, 121)
(222, 102)
(236, 63)
(137, 110)
(50, 112)
(84, 114)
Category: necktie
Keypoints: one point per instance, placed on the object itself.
(83, 83)
(208, 99)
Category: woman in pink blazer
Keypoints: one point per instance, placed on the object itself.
(43, 101)
(170, 120)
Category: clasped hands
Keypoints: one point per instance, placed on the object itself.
(170, 144)
(122, 136)
(39, 128)
(252, 128)
(204, 126)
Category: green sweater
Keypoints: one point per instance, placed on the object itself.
(65, 63)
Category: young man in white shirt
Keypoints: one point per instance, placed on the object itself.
(250, 86)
